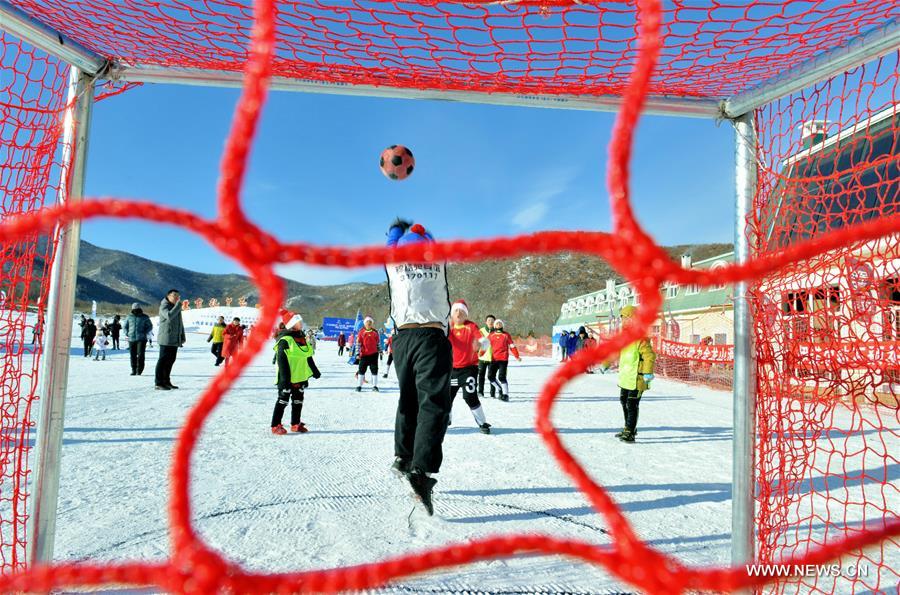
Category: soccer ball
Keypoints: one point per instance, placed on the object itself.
(397, 162)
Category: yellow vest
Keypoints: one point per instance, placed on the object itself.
(298, 360)
(636, 360)
(218, 333)
(488, 354)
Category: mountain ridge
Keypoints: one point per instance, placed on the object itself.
(526, 292)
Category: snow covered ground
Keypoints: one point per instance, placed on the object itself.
(326, 498)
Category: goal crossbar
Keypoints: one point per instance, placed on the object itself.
(867, 46)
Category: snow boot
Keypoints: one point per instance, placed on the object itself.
(622, 433)
(400, 467)
(627, 436)
(422, 485)
(279, 430)
(299, 428)
(162, 387)
(485, 428)
(375, 389)
(504, 398)
(384, 375)
(359, 389)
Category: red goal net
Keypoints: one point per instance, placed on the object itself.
(32, 97)
(828, 327)
(825, 277)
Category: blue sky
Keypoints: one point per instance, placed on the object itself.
(480, 171)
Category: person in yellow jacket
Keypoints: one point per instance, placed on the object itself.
(296, 366)
(484, 355)
(635, 373)
(217, 336)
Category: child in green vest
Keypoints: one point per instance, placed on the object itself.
(294, 358)
(635, 373)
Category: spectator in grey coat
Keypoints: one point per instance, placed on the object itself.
(170, 337)
(137, 327)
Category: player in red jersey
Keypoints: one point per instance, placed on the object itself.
(465, 337)
(501, 346)
(369, 342)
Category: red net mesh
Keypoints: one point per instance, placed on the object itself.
(705, 53)
(709, 365)
(828, 328)
(579, 48)
(31, 102)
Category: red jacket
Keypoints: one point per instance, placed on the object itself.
(368, 342)
(342, 340)
(501, 345)
(234, 336)
(464, 340)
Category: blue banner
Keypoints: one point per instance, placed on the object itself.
(332, 327)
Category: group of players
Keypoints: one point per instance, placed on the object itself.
(435, 356)
(479, 354)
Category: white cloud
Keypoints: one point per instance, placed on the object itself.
(530, 215)
(547, 186)
(319, 275)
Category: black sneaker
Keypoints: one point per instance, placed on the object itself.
(359, 389)
(384, 375)
(375, 389)
(134, 372)
(485, 428)
(400, 467)
(161, 387)
(422, 486)
(504, 398)
(172, 386)
(627, 436)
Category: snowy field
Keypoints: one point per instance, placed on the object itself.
(326, 498)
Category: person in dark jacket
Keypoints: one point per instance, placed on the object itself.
(342, 342)
(88, 332)
(171, 336)
(571, 344)
(296, 366)
(137, 327)
(115, 328)
(564, 346)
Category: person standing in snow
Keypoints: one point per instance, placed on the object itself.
(420, 307)
(389, 345)
(294, 358)
(137, 328)
(101, 342)
(501, 346)
(171, 337)
(636, 363)
(116, 328)
(217, 338)
(88, 332)
(465, 338)
(369, 349)
(484, 356)
(233, 336)
(342, 342)
(564, 346)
